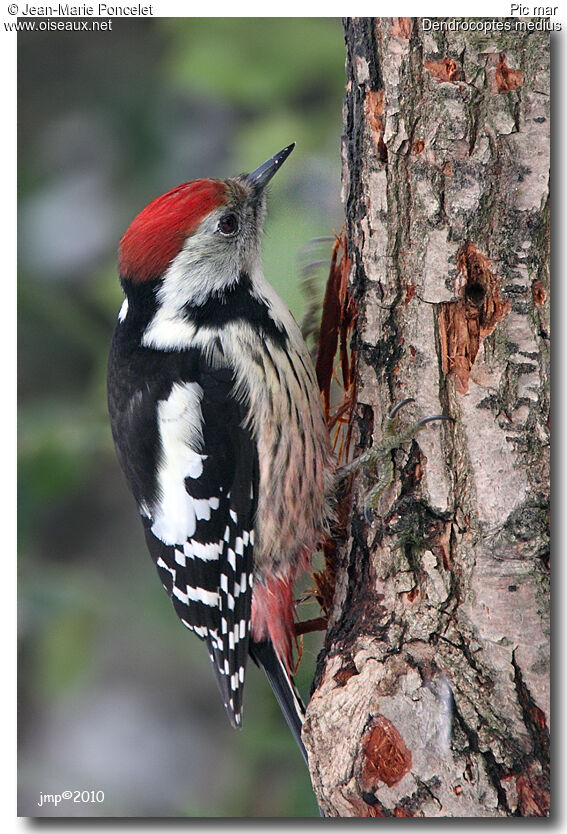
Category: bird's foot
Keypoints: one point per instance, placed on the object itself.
(377, 462)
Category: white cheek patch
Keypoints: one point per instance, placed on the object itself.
(205, 265)
(180, 420)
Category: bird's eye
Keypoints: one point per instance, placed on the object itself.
(228, 224)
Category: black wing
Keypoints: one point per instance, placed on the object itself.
(207, 574)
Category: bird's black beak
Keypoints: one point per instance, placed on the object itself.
(262, 175)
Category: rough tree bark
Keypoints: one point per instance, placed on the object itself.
(432, 691)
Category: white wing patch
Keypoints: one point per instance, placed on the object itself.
(209, 581)
(180, 422)
(168, 331)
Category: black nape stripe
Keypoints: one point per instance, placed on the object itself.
(142, 307)
(237, 303)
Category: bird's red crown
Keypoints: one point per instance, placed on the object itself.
(157, 234)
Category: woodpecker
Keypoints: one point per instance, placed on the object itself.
(218, 426)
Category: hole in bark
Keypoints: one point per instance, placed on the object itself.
(475, 292)
(462, 328)
(345, 673)
(369, 798)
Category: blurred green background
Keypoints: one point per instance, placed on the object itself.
(114, 694)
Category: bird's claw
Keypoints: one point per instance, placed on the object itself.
(391, 440)
(425, 420)
(400, 405)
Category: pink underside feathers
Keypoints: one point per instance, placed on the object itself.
(273, 609)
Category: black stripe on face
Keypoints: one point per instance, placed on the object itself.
(237, 303)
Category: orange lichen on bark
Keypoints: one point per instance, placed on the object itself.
(505, 78)
(533, 794)
(464, 323)
(400, 812)
(410, 292)
(385, 755)
(445, 70)
(374, 114)
(538, 292)
(401, 27)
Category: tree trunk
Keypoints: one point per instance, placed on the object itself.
(432, 691)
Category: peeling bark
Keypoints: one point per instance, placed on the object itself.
(473, 315)
(432, 691)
